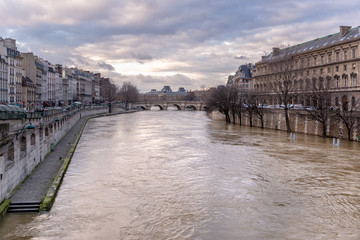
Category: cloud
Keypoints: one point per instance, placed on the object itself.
(241, 58)
(187, 43)
(106, 66)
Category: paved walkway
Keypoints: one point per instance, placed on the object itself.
(38, 183)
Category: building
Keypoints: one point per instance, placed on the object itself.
(331, 62)
(33, 71)
(96, 88)
(243, 77)
(70, 83)
(3, 78)
(166, 94)
(28, 93)
(84, 88)
(107, 89)
(14, 61)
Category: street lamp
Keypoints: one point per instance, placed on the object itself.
(26, 126)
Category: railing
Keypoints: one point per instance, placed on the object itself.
(12, 115)
(44, 113)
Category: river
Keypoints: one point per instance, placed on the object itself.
(179, 175)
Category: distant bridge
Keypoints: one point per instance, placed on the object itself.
(164, 105)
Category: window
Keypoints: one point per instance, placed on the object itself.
(345, 55)
(354, 53)
(337, 56)
(345, 67)
(308, 62)
(314, 83)
(301, 84)
(32, 139)
(314, 71)
(328, 82)
(322, 59)
(314, 61)
(345, 78)
(329, 69)
(321, 71)
(353, 80)
(337, 81)
(23, 145)
(354, 66)
(353, 102)
(337, 101)
(308, 73)
(337, 68)
(329, 58)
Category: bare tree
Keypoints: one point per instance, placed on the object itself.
(234, 100)
(349, 114)
(249, 106)
(220, 99)
(190, 96)
(320, 105)
(284, 86)
(128, 93)
(260, 107)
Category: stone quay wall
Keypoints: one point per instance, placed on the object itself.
(300, 123)
(23, 149)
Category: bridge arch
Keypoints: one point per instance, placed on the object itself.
(175, 105)
(158, 105)
(190, 107)
(141, 108)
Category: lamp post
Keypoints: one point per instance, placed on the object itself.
(26, 126)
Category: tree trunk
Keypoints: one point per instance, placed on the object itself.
(349, 132)
(324, 129)
(233, 115)
(262, 121)
(227, 117)
(250, 119)
(287, 120)
(239, 115)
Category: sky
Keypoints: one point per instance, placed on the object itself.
(194, 44)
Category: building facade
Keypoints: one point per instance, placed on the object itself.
(331, 62)
(243, 77)
(14, 77)
(3, 79)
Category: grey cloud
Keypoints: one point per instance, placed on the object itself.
(241, 58)
(141, 56)
(106, 66)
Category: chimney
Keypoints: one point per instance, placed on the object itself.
(276, 50)
(343, 30)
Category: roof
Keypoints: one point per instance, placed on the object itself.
(317, 43)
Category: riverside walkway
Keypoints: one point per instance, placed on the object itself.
(39, 181)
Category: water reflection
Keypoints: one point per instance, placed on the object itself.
(166, 175)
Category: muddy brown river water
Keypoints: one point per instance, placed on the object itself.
(179, 175)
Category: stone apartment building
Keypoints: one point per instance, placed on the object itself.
(3, 79)
(14, 62)
(243, 77)
(331, 62)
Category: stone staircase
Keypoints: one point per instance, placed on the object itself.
(23, 207)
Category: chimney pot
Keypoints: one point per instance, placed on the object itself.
(343, 30)
(276, 50)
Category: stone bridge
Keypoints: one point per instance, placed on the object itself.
(164, 105)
